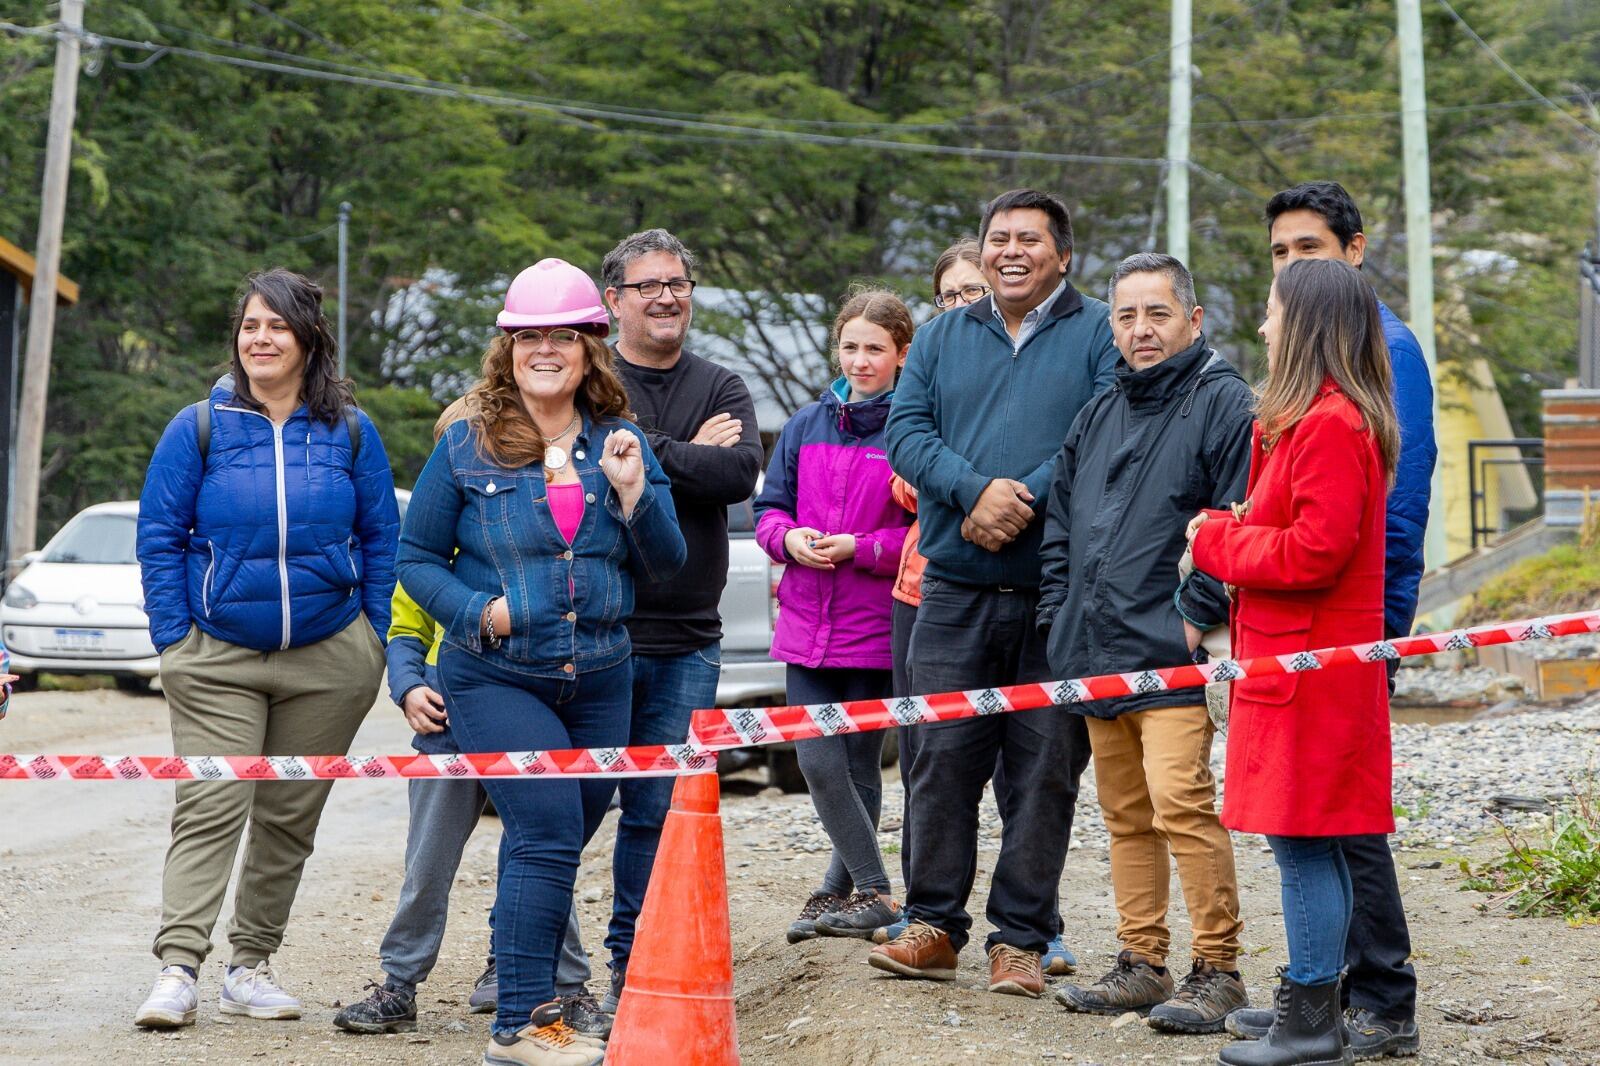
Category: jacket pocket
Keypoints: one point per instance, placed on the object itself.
(205, 582)
(341, 559)
(1268, 626)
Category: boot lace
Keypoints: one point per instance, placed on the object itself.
(917, 934)
(857, 903)
(818, 905)
(1196, 986)
(557, 1034)
(382, 996)
(1013, 958)
(584, 1000)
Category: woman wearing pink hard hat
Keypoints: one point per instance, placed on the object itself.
(530, 524)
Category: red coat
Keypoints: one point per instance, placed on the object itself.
(1308, 753)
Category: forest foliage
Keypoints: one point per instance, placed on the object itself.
(798, 147)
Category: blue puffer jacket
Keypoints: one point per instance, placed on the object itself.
(1407, 517)
(274, 541)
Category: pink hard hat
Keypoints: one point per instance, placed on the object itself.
(553, 292)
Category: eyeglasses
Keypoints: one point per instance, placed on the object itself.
(562, 337)
(650, 290)
(966, 294)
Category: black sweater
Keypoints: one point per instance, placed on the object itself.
(680, 615)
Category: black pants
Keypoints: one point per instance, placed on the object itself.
(1375, 952)
(967, 637)
(902, 617)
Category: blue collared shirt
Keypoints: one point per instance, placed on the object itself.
(1031, 320)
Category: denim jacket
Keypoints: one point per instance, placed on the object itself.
(567, 602)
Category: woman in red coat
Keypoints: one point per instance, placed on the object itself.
(1308, 753)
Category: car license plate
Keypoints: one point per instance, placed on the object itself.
(80, 639)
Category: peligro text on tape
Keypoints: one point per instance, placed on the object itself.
(724, 728)
(653, 760)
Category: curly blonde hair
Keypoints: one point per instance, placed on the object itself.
(506, 432)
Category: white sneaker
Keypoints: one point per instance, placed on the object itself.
(171, 1003)
(255, 993)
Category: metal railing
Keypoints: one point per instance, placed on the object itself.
(1483, 530)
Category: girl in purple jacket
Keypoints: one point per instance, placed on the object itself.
(826, 511)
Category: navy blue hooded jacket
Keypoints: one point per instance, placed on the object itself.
(1407, 518)
(275, 540)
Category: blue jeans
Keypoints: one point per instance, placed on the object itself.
(1317, 903)
(666, 690)
(547, 822)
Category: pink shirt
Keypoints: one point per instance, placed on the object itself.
(566, 507)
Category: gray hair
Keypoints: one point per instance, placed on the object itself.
(1156, 263)
(635, 245)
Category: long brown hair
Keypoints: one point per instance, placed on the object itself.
(299, 300)
(506, 432)
(1328, 327)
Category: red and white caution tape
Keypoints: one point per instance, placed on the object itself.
(721, 729)
(643, 761)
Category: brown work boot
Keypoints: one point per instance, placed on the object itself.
(1202, 1002)
(1132, 984)
(920, 951)
(1015, 972)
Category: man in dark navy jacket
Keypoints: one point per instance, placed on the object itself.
(986, 399)
(1319, 220)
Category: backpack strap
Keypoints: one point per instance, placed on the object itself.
(202, 428)
(352, 425)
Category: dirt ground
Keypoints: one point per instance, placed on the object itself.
(80, 870)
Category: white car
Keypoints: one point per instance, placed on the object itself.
(77, 607)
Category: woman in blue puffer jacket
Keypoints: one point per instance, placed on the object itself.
(267, 535)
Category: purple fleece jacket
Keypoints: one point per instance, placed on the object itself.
(830, 471)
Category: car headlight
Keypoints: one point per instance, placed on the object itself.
(18, 596)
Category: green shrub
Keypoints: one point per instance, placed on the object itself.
(1551, 869)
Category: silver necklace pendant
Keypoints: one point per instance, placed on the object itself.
(555, 457)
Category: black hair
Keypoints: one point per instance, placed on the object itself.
(1023, 199)
(1327, 199)
(299, 300)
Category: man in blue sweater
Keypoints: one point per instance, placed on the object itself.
(987, 397)
(1319, 220)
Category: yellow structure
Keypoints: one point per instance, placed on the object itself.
(1470, 409)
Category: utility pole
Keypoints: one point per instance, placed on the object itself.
(344, 276)
(1419, 232)
(1178, 117)
(42, 311)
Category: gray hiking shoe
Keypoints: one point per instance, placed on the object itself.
(485, 998)
(385, 1010)
(1202, 1002)
(805, 926)
(1132, 984)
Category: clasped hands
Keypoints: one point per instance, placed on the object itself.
(1002, 512)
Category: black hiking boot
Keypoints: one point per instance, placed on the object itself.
(1307, 1030)
(485, 997)
(385, 1010)
(583, 1015)
(1372, 1037)
(861, 915)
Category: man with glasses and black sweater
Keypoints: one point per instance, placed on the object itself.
(701, 424)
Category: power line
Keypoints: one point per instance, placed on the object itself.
(575, 113)
(1516, 77)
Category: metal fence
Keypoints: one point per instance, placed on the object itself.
(1589, 317)
(1529, 452)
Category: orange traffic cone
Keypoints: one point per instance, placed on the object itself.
(677, 1005)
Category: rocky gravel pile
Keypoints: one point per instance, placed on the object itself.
(1447, 779)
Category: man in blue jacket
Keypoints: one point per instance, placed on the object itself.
(985, 401)
(1319, 220)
